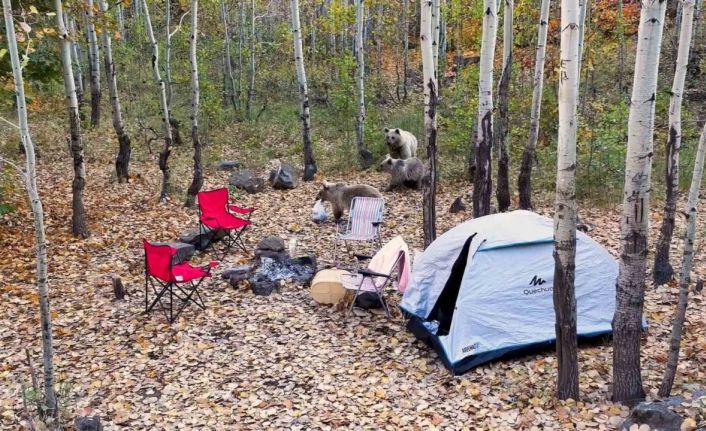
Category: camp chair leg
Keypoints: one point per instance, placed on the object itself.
(357, 292)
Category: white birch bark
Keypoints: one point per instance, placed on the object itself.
(76, 59)
(405, 38)
(308, 154)
(436, 29)
(627, 321)
(121, 21)
(663, 271)
(30, 182)
(227, 59)
(430, 102)
(583, 10)
(167, 51)
(241, 42)
(686, 264)
(483, 184)
(164, 154)
(253, 40)
(364, 156)
(122, 161)
(94, 55)
(197, 181)
(78, 218)
(565, 213)
(524, 181)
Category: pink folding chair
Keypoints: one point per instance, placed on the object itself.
(179, 282)
(216, 214)
(364, 220)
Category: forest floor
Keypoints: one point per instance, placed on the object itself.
(250, 362)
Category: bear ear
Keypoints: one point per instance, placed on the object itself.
(386, 130)
(397, 131)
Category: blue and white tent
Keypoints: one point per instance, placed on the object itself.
(484, 289)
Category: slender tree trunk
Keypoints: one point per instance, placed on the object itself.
(687, 259)
(168, 52)
(50, 400)
(365, 157)
(620, 25)
(229, 78)
(430, 102)
(524, 181)
(662, 271)
(565, 214)
(436, 29)
(503, 189)
(251, 84)
(378, 39)
(405, 52)
(164, 154)
(634, 224)
(197, 181)
(693, 56)
(443, 18)
(309, 162)
(483, 184)
(241, 42)
(121, 20)
(583, 12)
(94, 64)
(122, 161)
(76, 59)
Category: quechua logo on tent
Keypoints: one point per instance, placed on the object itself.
(537, 281)
(537, 286)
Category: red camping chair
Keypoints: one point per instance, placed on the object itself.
(216, 214)
(164, 277)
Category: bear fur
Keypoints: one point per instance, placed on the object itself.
(403, 173)
(341, 195)
(400, 143)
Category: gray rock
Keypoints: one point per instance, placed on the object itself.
(184, 250)
(228, 165)
(201, 239)
(284, 178)
(271, 243)
(655, 414)
(262, 286)
(457, 206)
(247, 180)
(88, 423)
(236, 274)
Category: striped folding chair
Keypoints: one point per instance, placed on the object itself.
(364, 220)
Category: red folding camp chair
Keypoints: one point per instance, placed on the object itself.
(180, 282)
(216, 214)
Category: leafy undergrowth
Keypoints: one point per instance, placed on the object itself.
(250, 362)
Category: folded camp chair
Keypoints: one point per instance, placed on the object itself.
(375, 277)
(364, 220)
(178, 281)
(216, 214)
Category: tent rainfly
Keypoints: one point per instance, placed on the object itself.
(483, 289)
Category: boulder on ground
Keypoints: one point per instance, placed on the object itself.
(228, 165)
(272, 247)
(656, 415)
(201, 238)
(236, 274)
(88, 423)
(184, 251)
(284, 177)
(247, 180)
(262, 286)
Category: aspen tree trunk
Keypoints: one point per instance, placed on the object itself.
(634, 224)
(693, 57)
(524, 181)
(168, 52)
(430, 102)
(405, 52)
(251, 84)
(378, 38)
(443, 18)
(309, 162)
(121, 21)
(229, 78)
(662, 271)
(197, 181)
(436, 10)
(122, 161)
(94, 64)
(76, 59)
(78, 219)
(241, 42)
(30, 182)
(687, 260)
(164, 154)
(565, 214)
(503, 188)
(365, 157)
(583, 11)
(483, 184)
(620, 24)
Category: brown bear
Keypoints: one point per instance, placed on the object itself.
(401, 143)
(341, 195)
(403, 173)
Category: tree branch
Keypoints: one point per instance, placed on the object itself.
(178, 27)
(10, 123)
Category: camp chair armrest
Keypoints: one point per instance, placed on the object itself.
(362, 257)
(369, 273)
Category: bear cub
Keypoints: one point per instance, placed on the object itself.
(400, 143)
(403, 173)
(341, 195)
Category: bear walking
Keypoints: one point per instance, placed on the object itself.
(403, 173)
(341, 195)
(401, 143)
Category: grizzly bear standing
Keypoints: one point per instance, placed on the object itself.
(401, 143)
(403, 173)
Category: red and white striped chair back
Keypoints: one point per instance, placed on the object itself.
(365, 216)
